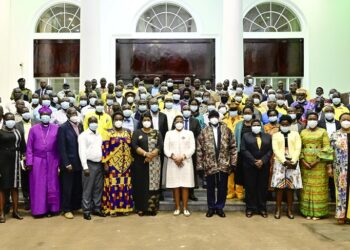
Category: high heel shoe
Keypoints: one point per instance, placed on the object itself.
(278, 215)
(2, 218)
(290, 215)
(16, 215)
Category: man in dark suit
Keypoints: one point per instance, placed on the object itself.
(42, 90)
(71, 169)
(192, 124)
(329, 123)
(291, 96)
(345, 98)
(256, 148)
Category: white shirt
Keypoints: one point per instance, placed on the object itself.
(119, 100)
(86, 110)
(330, 126)
(155, 120)
(59, 117)
(11, 106)
(90, 147)
(215, 131)
(128, 123)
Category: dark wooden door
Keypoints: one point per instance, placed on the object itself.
(166, 58)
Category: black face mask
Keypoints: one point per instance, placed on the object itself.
(224, 99)
(186, 97)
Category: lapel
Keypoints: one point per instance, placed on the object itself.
(72, 129)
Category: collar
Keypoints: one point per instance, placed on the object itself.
(330, 121)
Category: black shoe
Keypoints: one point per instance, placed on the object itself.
(221, 213)
(99, 214)
(17, 216)
(210, 213)
(192, 197)
(87, 216)
(277, 215)
(290, 215)
(263, 214)
(26, 206)
(2, 218)
(249, 214)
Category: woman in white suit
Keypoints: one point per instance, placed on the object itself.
(179, 146)
(286, 175)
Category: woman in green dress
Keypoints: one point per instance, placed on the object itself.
(316, 158)
(147, 144)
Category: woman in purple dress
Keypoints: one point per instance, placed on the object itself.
(42, 160)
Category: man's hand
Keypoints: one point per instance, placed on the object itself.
(69, 168)
(29, 168)
(86, 172)
(259, 163)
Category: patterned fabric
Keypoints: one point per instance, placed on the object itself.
(117, 191)
(314, 195)
(155, 164)
(340, 143)
(206, 157)
(282, 177)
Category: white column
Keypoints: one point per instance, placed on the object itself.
(90, 35)
(5, 23)
(232, 41)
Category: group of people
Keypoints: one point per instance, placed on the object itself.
(114, 149)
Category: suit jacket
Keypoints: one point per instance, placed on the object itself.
(38, 92)
(68, 146)
(251, 152)
(294, 146)
(345, 97)
(162, 123)
(214, 159)
(194, 126)
(322, 124)
(289, 98)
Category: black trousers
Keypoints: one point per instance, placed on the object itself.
(25, 185)
(71, 190)
(256, 185)
(219, 181)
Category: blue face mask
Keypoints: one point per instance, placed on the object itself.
(154, 107)
(110, 102)
(127, 113)
(71, 99)
(10, 124)
(35, 100)
(45, 119)
(99, 109)
(65, 105)
(169, 105)
(142, 108)
(83, 103)
(46, 103)
(93, 126)
(186, 113)
(92, 100)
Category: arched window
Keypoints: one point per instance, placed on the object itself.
(56, 46)
(60, 18)
(271, 17)
(273, 44)
(166, 17)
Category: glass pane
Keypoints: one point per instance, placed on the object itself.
(288, 14)
(281, 22)
(256, 28)
(181, 28)
(277, 8)
(284, 28)
(260, 22)
(57, 84)
(264, 7)
(295, 25)
(74, 85)
(159, 8)
(252, 14)
(246, 25)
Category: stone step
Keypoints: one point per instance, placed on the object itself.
(231, 205)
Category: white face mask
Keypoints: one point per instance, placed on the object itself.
(285, 129)
(247, 117)
(273, 118)
(74, 119)
(179, 126)
(233, 113)
(186, 113)
(329, 116)
(127, 113)
(312, 124)
(345, 124)
(280, 102)
(214, 121)
(238, 98)
(336, 100)
(256, 129)
(256, 101)
(194, 108)
(168, 105)
(272, 97)
(176, 97)
(222, 110)
(211, 107)
(239, 90)
(130, 99)
(293, 116)
(146, 124)
(118, 124)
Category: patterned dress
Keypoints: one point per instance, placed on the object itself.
(117, 191)
(340, 143)
(146, 176)
(314, 195)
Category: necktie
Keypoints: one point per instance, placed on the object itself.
(186, 124)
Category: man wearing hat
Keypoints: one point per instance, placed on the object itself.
(217, 156)
(26, 93)
(301, 100)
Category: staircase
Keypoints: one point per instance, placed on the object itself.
(231, 205)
